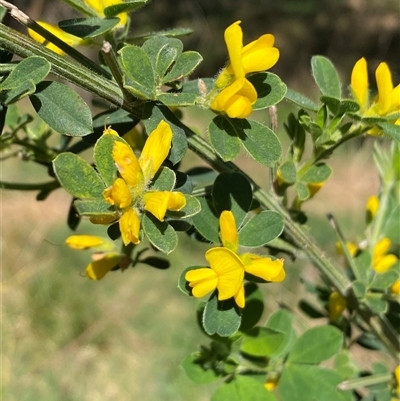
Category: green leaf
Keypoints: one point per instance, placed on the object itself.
(224, 137)
(87, 28)
(152, 116)
(185, 64)
(301, 100)
(261, 229)
(316, 174)
(288, 172)
(385, 280)
(23, 78)
(193, 367)
(124, 7)
(162, 52)
(243, 388)
(270, 89)
(359, 289)
(344, 366)
(177, 99)
(281, 321)
(102, 155)
(191, 208)
(254, 307)
(94, 207)
(310, 382)
(164, 180)
(392, 130)
(167, 32)
(260, 141)
(138, 73)
(302, 191)
(261, 341)
(316, 345)
(221, 317)
(159, 233)
(207, 222)
(376, 303)
(78, 177)
(80, 6)
(62, 109)
(232, 191)
(326, 76)
(362, 263)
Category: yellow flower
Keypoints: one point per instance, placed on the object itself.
(227, 268)
(314, 187)
(351, 247)
(237, 94)
(387, 100)
(130, 193)
(395, 288)
(381, 261)
(105, 257)
(372, 208)
(397, 376)
(99, 5)
(271, 383)
(336, 305)
(55, 30)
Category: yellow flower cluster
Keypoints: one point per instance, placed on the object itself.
(96, 5)
(237, 94)
(227, 267)
(386, 102)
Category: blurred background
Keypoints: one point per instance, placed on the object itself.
(65, 337)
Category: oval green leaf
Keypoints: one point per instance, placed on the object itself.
(224, 137)
(87, 28)
(261, 229)
(261, 342)
(270, 89)
(62, 109)
(326, 76)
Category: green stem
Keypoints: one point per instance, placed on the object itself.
(365, 381)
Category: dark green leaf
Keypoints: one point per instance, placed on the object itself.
(124, 7)
(270, 89)
(87, 28)
(326, 76)
(254, 307)
(232, 191)
(221, 317)
(78, 177)
(259, 140)
(62, 109)
(193, 367)
(301, 100)
(139, 75)
(224, 137)
(164, 180)
(392, 130)
(159, 233)
(261, 229)
(316, 345)
(185, 64)
(206, 222)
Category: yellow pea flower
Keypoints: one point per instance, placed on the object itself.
(395, 288)
(381, 260)
(227, 267)
(314, 187)
(386, 102)
(271, 383)
(336, 306)
(55, 30)
(99, 5)
(104, 259)
(397, 376)
(372, 208)
(130, 193)
(236, 94)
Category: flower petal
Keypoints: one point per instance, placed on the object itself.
(239, 297)
(265, 268)
(229, 269)
(55, 30)
(155, 150)
(385, 87)
(156, 202)
(228, 231)
(129, 225)
(127, 164)
(234, 42)
(99, 268)
(84, 241)
(260, 55)
(385, 263)
(381, 247)
(118, 194)
(202, 281)
(359, 82)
